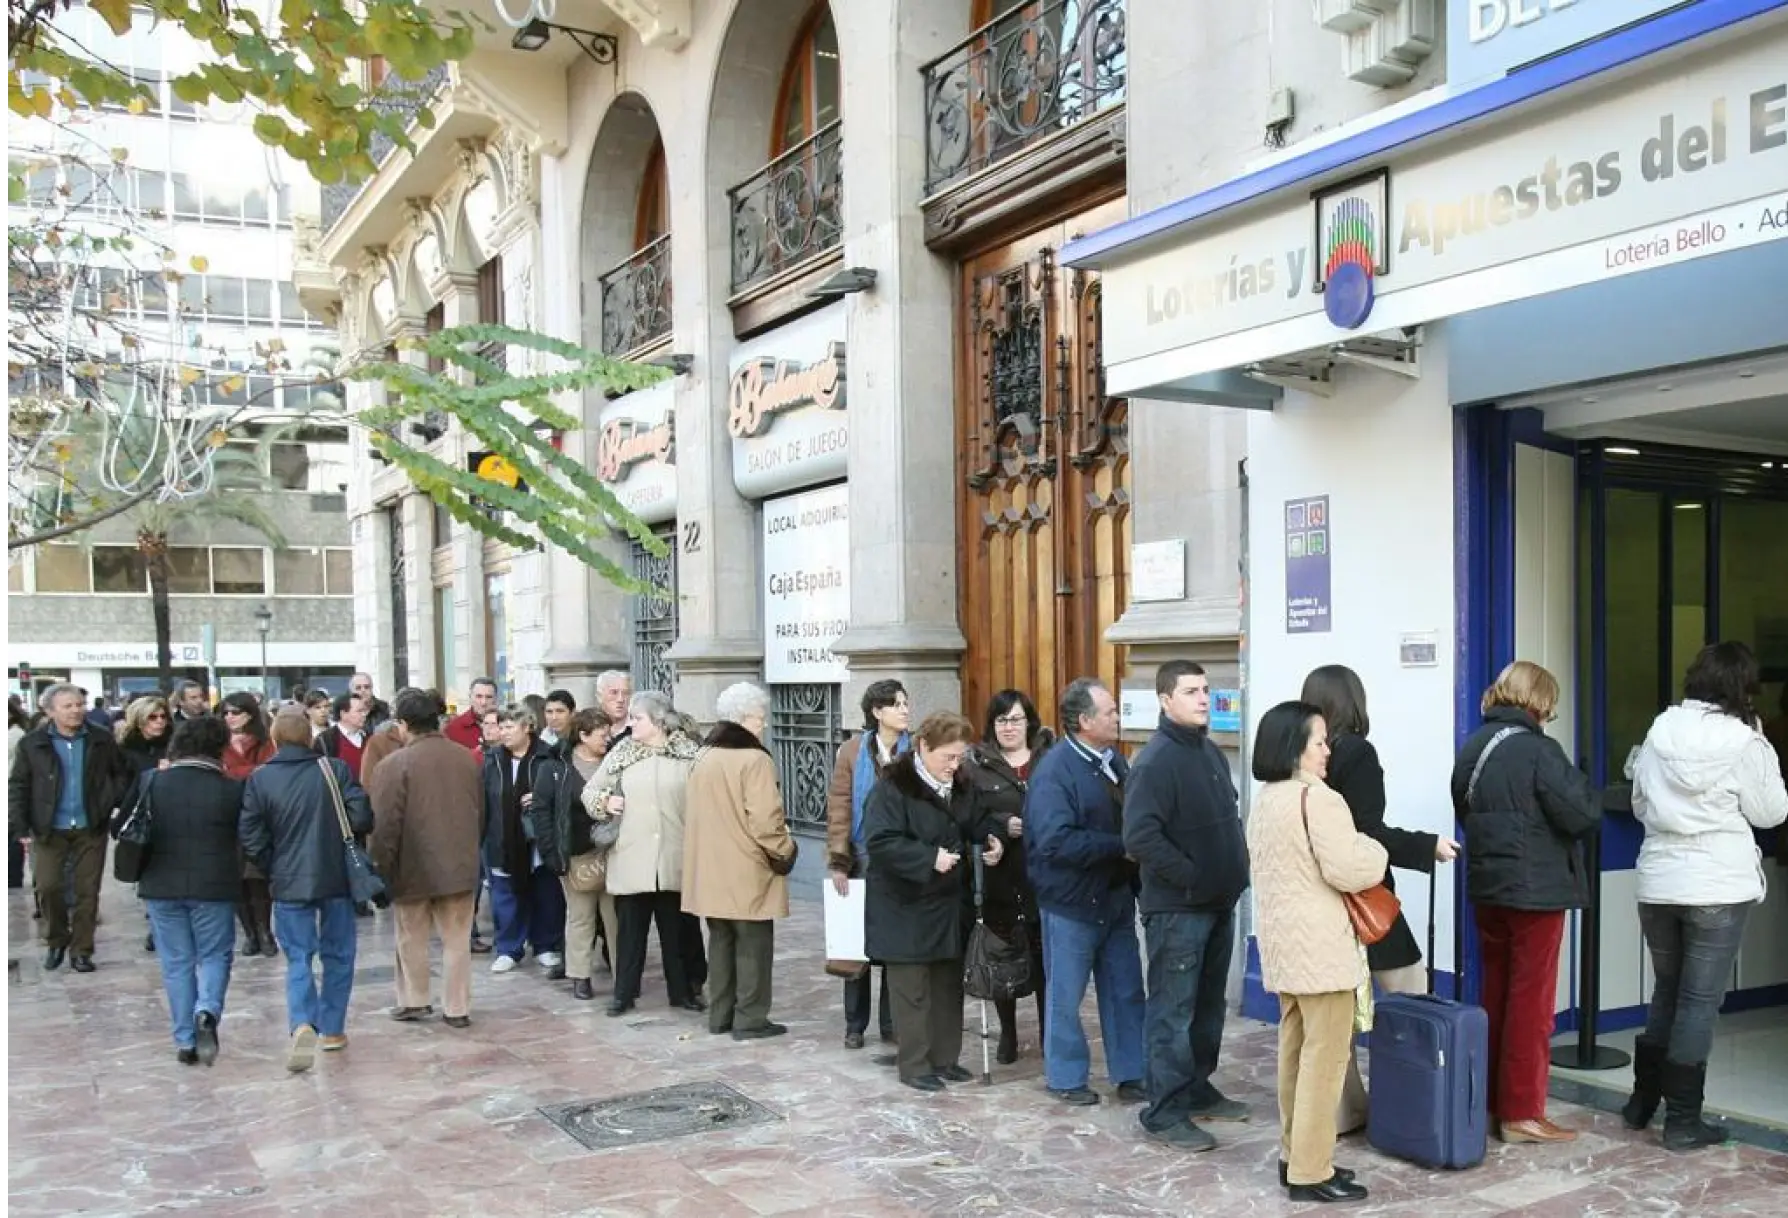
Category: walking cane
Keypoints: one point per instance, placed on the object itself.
(986, 1064)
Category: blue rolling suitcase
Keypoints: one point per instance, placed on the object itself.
(1430, 1078)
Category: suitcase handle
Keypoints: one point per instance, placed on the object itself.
(1458, 935)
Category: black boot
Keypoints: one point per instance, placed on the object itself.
(1648, 1064)
(251, 938)
(1684, 1084)
(1007, 1010)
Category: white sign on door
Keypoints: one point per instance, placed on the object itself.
(807, 586)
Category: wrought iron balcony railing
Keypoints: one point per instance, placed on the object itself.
(636, 299)
(1034, 70)
(394, 96)
(790, 210)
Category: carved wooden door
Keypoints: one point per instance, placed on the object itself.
(1043, 463)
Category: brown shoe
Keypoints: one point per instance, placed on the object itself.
(1537, 1130)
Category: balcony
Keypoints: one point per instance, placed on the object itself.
(395, 96)
(636, 300)
(1027, 82)
(789, 213)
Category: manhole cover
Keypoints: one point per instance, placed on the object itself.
(656, 1116)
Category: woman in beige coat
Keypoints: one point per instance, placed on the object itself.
(736, 853)
(1305, 853)
(643, 780)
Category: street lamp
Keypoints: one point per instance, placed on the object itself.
(263, 623)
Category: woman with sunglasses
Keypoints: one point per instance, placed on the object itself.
(249, 750)
(143, 736)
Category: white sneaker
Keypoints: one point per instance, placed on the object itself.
(502, 964)
(550, 959)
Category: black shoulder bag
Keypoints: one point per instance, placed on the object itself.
(995, 968)
(131, 829)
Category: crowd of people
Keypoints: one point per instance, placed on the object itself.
(590, 828)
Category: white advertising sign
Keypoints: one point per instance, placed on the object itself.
(786, 406)
(807, 586)
(636, 452)
(1686, 161)
(186, 655)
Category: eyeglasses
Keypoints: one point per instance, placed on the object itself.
(1018, 720)
(155, 717)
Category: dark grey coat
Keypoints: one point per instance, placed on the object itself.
(290, 829)
(195, 814)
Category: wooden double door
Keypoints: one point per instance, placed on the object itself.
(1043, 470)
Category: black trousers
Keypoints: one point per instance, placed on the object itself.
(635, 914)
(695, 956)
(927, 1015)
(741, 954)
(857, 1000)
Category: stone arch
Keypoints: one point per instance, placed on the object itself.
(619, 160)
(742, 114)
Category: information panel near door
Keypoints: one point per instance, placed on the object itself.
(807, 594)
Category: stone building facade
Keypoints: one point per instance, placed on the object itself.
(838, 227)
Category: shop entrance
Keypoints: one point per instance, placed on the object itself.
(1622, 553)
(1044, 473)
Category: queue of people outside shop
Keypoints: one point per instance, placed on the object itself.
(592, 828)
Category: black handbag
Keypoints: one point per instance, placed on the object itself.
(132, 830)
(994, 967)
(365, 885)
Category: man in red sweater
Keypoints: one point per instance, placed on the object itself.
(346, 740)
(466, 728)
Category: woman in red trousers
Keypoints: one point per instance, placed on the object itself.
(1526, 810)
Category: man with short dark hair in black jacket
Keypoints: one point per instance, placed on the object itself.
(1183, 828)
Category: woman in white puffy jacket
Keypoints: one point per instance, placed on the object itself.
(1703, 781)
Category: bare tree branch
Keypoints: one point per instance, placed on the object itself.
(85, 522)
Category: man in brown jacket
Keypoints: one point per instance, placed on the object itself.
(736, 853)
(428, 811)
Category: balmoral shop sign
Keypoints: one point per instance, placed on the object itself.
(786, 406)
(636, 452)
(1685, 160)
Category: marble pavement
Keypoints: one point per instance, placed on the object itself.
(420, 1120)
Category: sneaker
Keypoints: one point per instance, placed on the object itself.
(206, 1035)
(303, 1053)
(550, 959)
(1079, 1097)
(1183, 1136)
(333, 1044)
(1221, 1108)
(503, 964)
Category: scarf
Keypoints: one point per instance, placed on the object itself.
(865, 774)
(518, 851)
(621, 756)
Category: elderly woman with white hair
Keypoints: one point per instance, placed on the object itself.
(643, 781)
(736, 854)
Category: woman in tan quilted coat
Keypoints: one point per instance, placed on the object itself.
(1305, 853)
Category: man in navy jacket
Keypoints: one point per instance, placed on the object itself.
(1086, 892)
(1182, 826)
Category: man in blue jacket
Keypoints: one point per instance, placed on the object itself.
(1183, 828)
(1086, 892)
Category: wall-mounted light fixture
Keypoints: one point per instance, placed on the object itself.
(601, 48)
(847, 282)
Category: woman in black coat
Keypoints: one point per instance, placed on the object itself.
(999, 769)
(191, 878)
(1357, 777)
(1526, 810)
(919, 824)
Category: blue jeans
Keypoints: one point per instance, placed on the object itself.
(194, 943)
(537, 922)
(1106, 954)
(1188, 974)
(306, 930)
(1692, 949)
